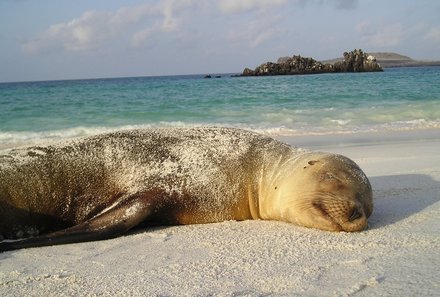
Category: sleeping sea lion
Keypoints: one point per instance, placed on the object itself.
(99, 187)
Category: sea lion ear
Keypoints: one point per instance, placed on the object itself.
(311, 162)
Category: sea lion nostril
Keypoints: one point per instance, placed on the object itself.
(355, 214)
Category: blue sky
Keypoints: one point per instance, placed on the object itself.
(61, 39)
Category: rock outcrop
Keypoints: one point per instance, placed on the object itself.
(355, 61)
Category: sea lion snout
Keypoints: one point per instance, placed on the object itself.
(335, 214)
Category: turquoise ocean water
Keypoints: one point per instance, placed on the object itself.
(396, 99)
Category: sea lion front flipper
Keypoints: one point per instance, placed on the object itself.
(109, 223)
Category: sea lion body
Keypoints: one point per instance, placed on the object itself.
(99, 187)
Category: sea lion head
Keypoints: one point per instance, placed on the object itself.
(328, 192)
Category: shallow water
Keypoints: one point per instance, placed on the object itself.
(396, 99)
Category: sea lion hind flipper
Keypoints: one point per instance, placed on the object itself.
(111, 222)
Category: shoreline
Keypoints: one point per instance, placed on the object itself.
(309, 139)
(360, 138)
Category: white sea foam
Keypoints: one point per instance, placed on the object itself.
(334, 126)
(341, 122)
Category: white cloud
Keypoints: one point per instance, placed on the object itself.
(83, 33)
(92, 29)
(238, 6)
(154, 20)
(337, 4)
(168, 19)
(132, 14)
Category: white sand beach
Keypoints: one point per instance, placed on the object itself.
(399, 254)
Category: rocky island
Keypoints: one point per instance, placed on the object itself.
(354, 61)
(392, 60)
